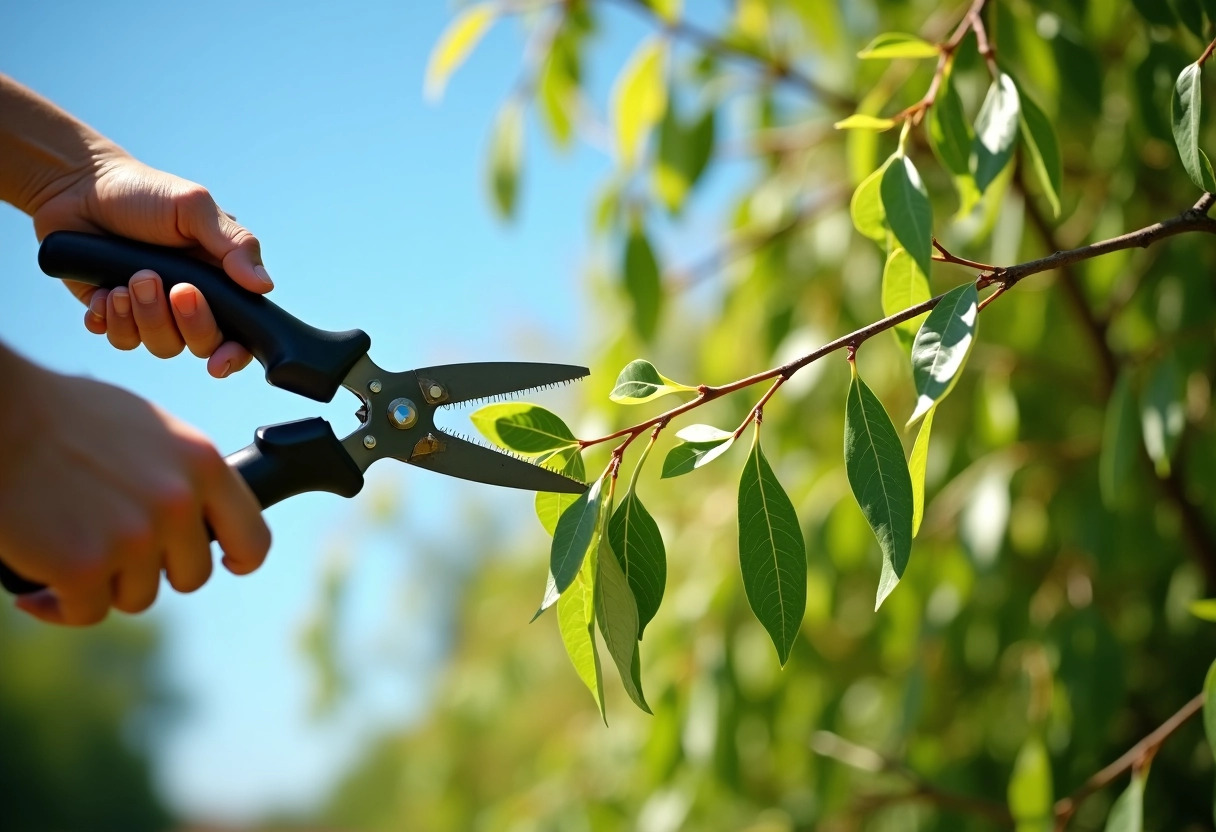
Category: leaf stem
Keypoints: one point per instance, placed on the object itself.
(1207, 53)
(970, 20)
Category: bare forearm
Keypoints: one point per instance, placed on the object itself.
(42, 147)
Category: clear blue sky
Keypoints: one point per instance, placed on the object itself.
(307, 121)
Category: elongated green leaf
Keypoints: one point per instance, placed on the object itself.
(1043, 148)
(772, 553)
(906, 204)
(1030, 790)
(638, 545)
(639, 98)
(640, 382)
(942, 346)
(898, 45)
(550, 506)
(996, 131)
(557, 88)
(903, 285)
(1163, 413)
(1185, 109)
(1209, 707)
(1127, 812)
(640, 270)
(455, 44)
(684, 151)
(616, 612)
(858, 121)
(917, 465)
(878, 475)
(527, 429)
(702, 444)
(1119, 444)
(1204, 609)
(576, 621)
(575, 534)
(951, 138)
(506, 157)
(1190, 12)
(866, 206)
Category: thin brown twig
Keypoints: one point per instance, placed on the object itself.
(970, 21)
(1207, 53)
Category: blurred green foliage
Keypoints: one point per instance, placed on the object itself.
(1042, 623)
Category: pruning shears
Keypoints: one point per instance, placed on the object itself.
(396, 412)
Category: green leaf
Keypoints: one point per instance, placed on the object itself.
(1127, 812)
(640, 382)
(898, 45)
(1030, 790)
(1190, 12)
(859, 121)
(639, 98)
(906, 204)
(942, 346)
(527, 429)
(1209, 707)
(866, 206)
(557, 88)
(684, 151)
(772, 553)
(576, 622)
(996, 131)
(617, 614)
(917, 465)
(903, 285)
(576, 533)
(550, 506)
(1154, 11)
(640, 270)
(950, 135)
(638, 545)
(1116, 463)
(702, 444)
(1204, 609)
(1184, 114)
(506, 157)
(455, 44)
(879, 477)
(1163, 413)
(1043, 148)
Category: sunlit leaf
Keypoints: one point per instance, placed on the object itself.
(898, 45)
(772, 553)
(684, 151)
(858, 121)
(576, 621)
(942, 346)
(557, 89)
(640, 271)
(1127, 812)
(917, 465)
(639, 98)
(879, 478)
(903, 285)
(1204, 609)
(455, 44)
(668, 10)
(640, 382)
(575, 534)
(909, 214)
(1043, 148)
(1163, 413)
(506, 157)
(702, 444)
(1185, 116)
(996, 131)
(1030, 789)
(616, 612)
(1120, 440)
(866, 206)
(527, 429)
(638, 545)
(549, 506)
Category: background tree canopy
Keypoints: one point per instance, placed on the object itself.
(1048, 617)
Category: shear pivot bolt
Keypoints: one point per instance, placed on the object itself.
(435, 391)
(369, 441)
(374, 385)
(402, 413)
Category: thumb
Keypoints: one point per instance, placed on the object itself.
(221, 236)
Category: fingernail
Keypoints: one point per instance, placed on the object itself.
(97, 306)
(122, 301)
(186, 303)
(227, 369)
(260, 271)
(144, 289)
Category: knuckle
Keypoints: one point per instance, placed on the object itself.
(133, 538)
(175, 500)
(198, 574)
(194, 197)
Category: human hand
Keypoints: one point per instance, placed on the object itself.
(120, 195)
(100, 491)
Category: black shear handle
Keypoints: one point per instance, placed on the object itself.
(284, 460)
(299, 358)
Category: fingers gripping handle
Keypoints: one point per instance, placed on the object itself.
(300, 358)
(284, 460)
